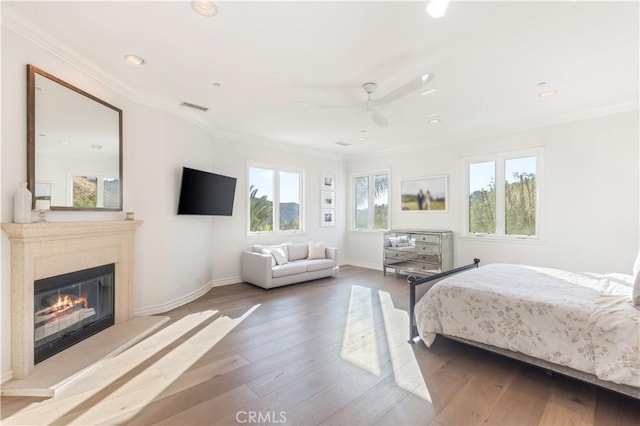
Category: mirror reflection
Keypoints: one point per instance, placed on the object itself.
(75, 143)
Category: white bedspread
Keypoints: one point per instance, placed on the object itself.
(583, 321)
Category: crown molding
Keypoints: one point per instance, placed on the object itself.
(513, 127)
(54, 46)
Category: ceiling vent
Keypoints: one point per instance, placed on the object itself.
(343, 143)
(194, 106)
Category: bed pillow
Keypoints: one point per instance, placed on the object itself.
(635, 293)
(316, 251)
(268, 251)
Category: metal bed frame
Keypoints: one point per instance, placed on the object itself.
(430, 280)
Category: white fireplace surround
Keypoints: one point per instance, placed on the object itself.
(42, 250)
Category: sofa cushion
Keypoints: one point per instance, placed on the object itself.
(280, 254)
(316, 251)
(267, 251)
(288, 269)
(298, 251)
(320, 264)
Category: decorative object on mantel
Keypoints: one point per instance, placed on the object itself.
(129, 216)
(41, 207)
(22, 204)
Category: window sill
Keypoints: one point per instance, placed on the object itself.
(502, 238)
(264, 235)
(368, 231)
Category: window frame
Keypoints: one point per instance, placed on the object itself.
(371, 213)
(500, 159)
(276, 169)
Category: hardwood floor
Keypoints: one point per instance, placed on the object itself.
(333, 351)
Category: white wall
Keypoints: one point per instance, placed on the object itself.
(591, 196)
(177, 257)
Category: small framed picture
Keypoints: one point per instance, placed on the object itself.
(327, 182)
(426, 194)
(43, 190)
(327, 217)
(327, 199)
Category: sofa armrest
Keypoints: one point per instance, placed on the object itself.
(256, 268)
(332, 253)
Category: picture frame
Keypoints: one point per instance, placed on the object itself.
(327, 199)
(327, 217)
(327, 182)
(424, 194)
(43, 190)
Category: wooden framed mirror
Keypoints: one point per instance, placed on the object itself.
(74, 146)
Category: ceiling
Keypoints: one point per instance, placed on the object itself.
(279, 63)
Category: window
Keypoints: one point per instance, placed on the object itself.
(503, 195)
(371, 201)
(267, 184)
(95, 191)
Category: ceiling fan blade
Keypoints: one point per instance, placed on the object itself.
(379, 119)
(404, 90)
(309, 104)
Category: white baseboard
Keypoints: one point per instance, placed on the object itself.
(226, 281)
(164, 307)
(365, 265)
(5, 377)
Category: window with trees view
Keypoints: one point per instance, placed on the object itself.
(503, 195)
(274, 200)
(371, 201)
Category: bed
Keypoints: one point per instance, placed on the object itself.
(579, 324)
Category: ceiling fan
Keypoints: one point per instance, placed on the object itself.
(372, 103)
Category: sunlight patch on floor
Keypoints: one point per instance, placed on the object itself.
(133, 395)
(359, 341)
(406, 371)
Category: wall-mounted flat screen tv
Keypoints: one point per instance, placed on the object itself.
(204, 193)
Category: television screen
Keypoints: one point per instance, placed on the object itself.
(204, 193)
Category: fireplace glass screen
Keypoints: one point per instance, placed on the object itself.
(71, 307)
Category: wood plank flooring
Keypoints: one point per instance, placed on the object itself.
(332, 351)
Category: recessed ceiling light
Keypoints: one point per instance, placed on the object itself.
(216, 84)
(96, 146)
(363, 131)
(204, 7)
(433, 114)
(437, 8)
(362, 138)
(434, 121)
(134, 59)
(428, 92)
(341, 143)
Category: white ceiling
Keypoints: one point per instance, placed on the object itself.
(272, 58)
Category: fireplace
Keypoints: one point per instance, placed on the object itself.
(70, 307)
(47, 249)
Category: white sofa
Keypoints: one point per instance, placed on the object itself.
(266, 267)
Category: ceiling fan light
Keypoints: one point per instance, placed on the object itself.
(437, 8)
(547, 93)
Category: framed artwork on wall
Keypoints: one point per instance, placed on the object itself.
(327, 217)
(327, 199)
(327, 182)
(426, 194)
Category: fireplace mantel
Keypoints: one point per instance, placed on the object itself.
(45, 249)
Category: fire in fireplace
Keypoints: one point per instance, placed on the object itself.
(71, 307)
